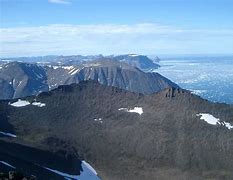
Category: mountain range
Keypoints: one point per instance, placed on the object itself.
(20, 79)
(171, 134)
(140, 61)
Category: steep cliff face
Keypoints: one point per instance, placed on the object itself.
(23, 79)
(127, 135)
(139, 61)
(121, 75)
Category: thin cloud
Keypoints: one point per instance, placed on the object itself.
(60, 1)
(144, 38)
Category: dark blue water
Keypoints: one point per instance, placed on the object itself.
(209, 77)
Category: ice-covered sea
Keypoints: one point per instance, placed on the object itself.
(209, 77)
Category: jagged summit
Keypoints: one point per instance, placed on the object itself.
(173, 92)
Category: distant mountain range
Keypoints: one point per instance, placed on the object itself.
(171, 134)
(140, 61)
(20, 79)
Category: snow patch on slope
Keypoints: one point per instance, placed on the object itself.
(138, 110)
(88, 166)
(39, 104)
(63, 67)
(133, 55)
(7, 164)
(68, 67)
(94, 64)
(8, 134)
(21, 103)
(210, 119)
(88, 173)
(98, 120)
(73, 71)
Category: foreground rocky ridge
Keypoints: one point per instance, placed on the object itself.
(24, 79)
(103, 126)
(14, 175)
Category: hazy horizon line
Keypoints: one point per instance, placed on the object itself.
(117, 54)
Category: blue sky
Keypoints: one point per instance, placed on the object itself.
(42, 27)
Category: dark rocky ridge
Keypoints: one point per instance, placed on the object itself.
(168, 141)
(14, 175)
(23, 79)
(31, 161)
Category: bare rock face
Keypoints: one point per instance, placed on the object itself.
(121, 75)
(123, 135)
(172, 92)
(139, 61)
(23, 79)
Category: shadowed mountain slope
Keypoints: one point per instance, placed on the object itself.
(23, 79)
(126, 135)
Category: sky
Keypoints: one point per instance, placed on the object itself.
(65, 27)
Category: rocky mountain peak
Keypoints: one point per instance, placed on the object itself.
(172, 92)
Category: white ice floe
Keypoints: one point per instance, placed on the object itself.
(7, 164)
(210, 119)
(197, 91)
(39, 104)
(138, 110)
(20, 103)
(98, 120)
(88, 173)
(8, 134)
